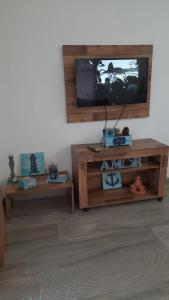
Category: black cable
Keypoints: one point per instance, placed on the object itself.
(105, 126)
(119, 117)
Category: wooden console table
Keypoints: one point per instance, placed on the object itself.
(13, 191)
(88, 177)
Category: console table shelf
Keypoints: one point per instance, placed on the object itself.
(92, 171)
(118, 196)
(87, 174)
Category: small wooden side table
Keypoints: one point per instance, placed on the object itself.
(13, 191)
(2, 234)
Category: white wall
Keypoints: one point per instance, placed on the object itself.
(32, 96)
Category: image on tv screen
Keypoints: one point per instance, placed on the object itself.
(111, 81)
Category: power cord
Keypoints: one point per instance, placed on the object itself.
(105, 107)
(119, 116)
(106, 118)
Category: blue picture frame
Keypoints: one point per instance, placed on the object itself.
(111, 180)
(32, 163)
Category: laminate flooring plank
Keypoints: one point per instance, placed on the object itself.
(117, 252)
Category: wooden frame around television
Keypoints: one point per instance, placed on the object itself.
(96, 113)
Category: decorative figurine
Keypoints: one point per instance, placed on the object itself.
(53, 171)
(117, 132)
(12, 178)
(33, 164)
(137, 187)
(125, 131)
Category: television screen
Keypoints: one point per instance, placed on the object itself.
(111, 81)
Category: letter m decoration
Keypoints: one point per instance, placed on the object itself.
(117, 164)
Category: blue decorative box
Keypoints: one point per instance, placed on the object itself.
(61, 178)
(111, 140)
(27, 182)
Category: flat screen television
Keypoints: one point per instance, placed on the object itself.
(111, 81)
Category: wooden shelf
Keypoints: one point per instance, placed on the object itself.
(92, 171)
(88, 180)
(97, 197)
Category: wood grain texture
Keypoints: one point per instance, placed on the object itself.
(13, 191)
(85, 114)
(162, 174)
(2, 235)
(109, 253)
(8, 207)
(88, 177)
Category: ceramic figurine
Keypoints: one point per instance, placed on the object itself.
(33, 164)
(125, 131)
(12, 178)
(117, 132)
(53, 171)
(137, 187)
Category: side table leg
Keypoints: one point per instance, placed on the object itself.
(8, 208)
(71, 198)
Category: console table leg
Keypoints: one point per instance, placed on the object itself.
(8, 208)
(86, 209)
(71, 198)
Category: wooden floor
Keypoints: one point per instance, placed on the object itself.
(110, 253)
